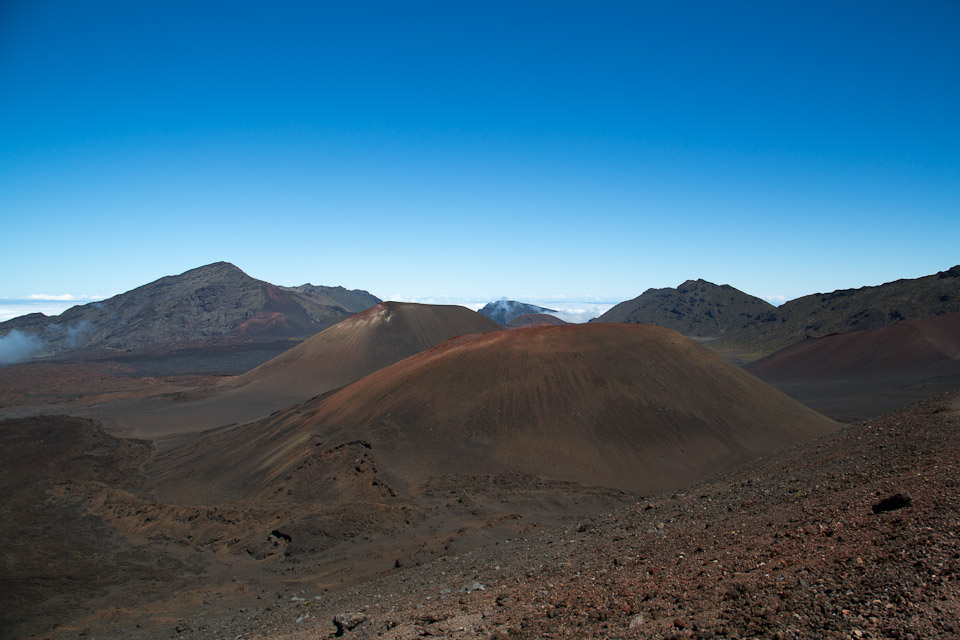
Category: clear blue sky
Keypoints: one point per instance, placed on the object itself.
(479, 149)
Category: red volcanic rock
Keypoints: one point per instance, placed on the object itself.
(264, 324)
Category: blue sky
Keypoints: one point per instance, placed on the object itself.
(479, 150)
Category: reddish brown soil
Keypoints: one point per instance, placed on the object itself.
(87, 544)
(275, 531)
(266, 323)
(788, 546)
(632, 407)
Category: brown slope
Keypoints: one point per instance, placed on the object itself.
(866, 373)
(338, 355)
(383, 334)
(632, 407)
(894, 349)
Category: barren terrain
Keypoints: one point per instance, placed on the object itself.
(809, 543)
(472, 491)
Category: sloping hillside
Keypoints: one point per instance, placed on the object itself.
(535, 320)
(847, 310)
(858, 375)
(383, 334)
(636, 408)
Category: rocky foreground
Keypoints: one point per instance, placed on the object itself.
(851, 536)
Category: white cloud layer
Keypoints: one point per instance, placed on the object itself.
(10, 309)
(63, 297)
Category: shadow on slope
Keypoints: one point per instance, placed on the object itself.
(854, 376)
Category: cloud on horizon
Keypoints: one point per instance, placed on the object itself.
(62, 297)
(10, 309)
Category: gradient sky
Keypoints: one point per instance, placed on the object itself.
(480, 150)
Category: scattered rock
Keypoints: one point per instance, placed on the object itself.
(348, 622)
(896, 501)
(472, 586)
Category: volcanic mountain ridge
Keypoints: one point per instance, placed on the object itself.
(848, 310)
(740, 324)
(199, 307)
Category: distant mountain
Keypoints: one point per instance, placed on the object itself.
(535, 320)
(504, 311)
(696, 308)
(847, 310)
(201, 306)
(749, 327)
